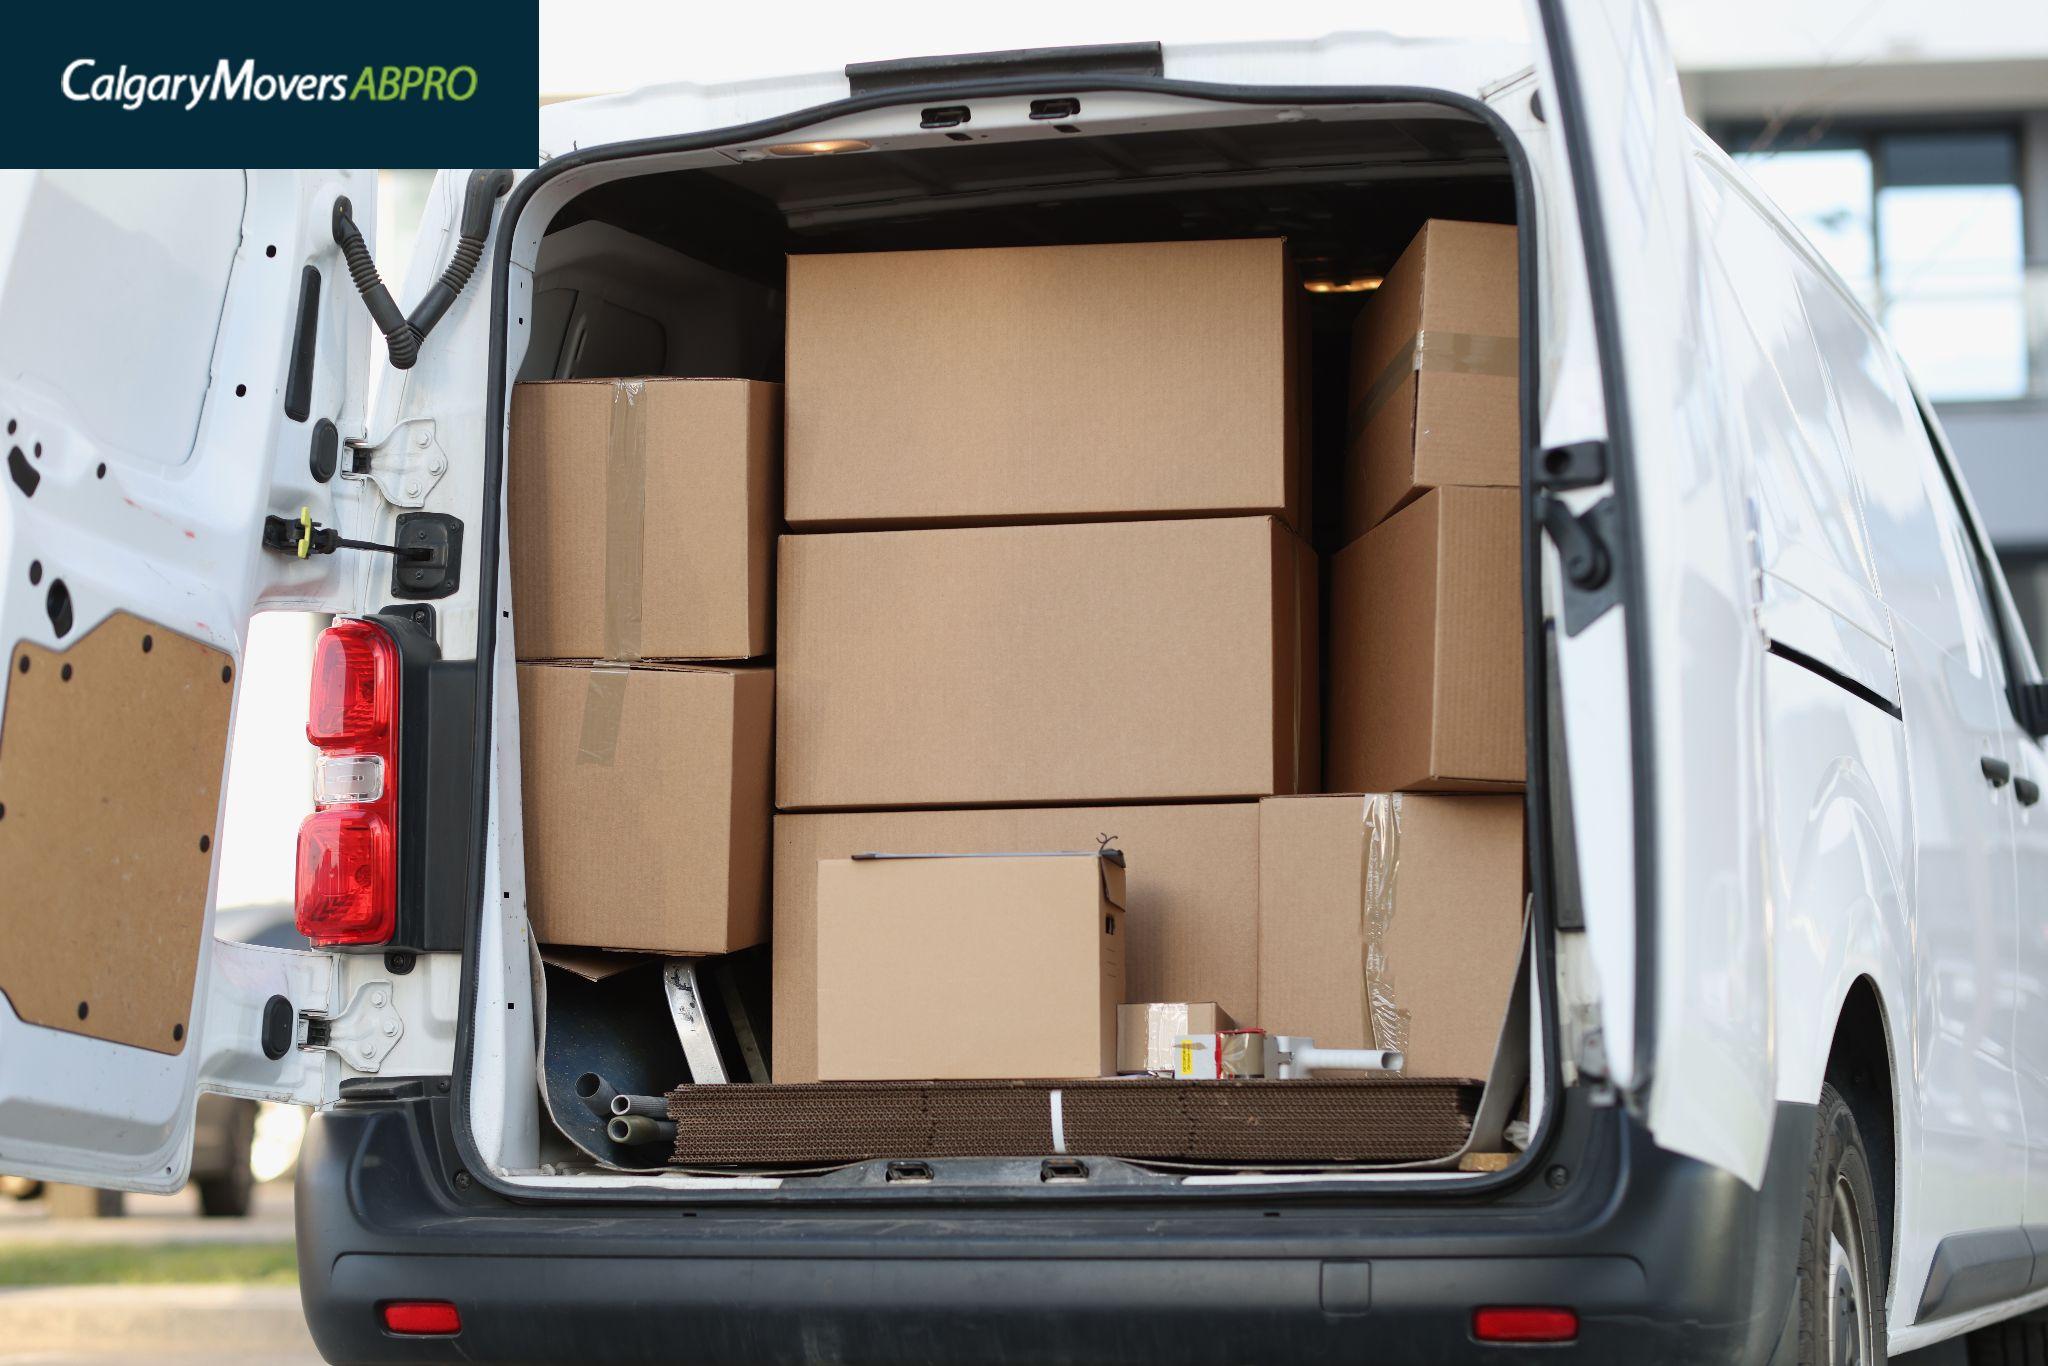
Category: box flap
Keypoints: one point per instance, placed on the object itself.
(592, 965)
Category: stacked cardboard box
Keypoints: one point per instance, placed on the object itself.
(991, 639)
(1277, 911)
(1425, 597)
(643, 513)
(1052, 561)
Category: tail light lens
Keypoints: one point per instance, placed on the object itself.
(422, 1318)
(347, 889)
(1524, 1323)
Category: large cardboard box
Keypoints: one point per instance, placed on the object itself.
(1092, 662)
(1391, 921)
(1193, 895)
(643, 517)
(1435, 373)
(969, 967)
(1425, 666)
(647, 804)
(1015, 384)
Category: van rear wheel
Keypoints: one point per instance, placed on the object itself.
(1841, 1259)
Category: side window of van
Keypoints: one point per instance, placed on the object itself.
(1809, 526)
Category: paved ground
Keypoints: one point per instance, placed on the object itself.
(154, 1219)
(184, 1325)
(78, 1324)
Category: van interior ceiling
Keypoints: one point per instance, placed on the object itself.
(682, 273)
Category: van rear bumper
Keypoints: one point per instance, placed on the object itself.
(1663, 1259)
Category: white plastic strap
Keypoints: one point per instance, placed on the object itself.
(1059, 1124)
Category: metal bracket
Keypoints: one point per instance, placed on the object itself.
(362, 1035)
(693, 1025)
(405, 463)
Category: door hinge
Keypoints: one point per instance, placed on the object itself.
(1575, 465)
(405, 463)
(1587, 544)
(363, 1034)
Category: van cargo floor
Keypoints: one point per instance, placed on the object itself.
(1380, 1119)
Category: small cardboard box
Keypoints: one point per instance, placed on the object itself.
(1391, 921)
(643, 518)
(1146, 1034)
(937, 967)
(1027, 665)
(1425, 664)
(1194, 909)
(1435, 373)
(646, 804)
(1015, 384)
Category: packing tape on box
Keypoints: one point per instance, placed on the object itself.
(1164, 1024)
(1386, 1024)
(625, 518)
(604, 703)
(1465, 353)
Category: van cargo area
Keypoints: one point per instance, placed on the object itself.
(884, 523)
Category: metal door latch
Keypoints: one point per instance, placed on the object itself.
(362, 1035)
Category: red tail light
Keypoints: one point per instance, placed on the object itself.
(348, 848)
(1524, 1324)
(422, 1318)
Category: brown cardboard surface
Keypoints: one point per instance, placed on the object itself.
(1092, 662)
(969, 968)
(643, 517)
(1145, 1032)
(111, 756)
(1445, 412)
(1449, 894)
(1425, 662)
(647, 805)
(1042, 384)
(592, 965)
(1193, 894)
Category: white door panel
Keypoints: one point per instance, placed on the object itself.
(149, 326)
(1703, 1069)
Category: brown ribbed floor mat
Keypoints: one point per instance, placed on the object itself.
(1384, 1119)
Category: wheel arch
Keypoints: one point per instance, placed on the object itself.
(1861, 1068)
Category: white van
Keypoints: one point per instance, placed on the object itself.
(1780, 1047)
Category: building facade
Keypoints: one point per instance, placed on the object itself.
(1910, 142)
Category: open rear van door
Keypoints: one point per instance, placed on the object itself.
(182, 357)
(1689, 1038)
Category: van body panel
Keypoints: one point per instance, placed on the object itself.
(1703, 1043)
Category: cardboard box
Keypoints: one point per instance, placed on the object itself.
(1435, 373)
(1391, 921)
(1015, 384)
(1094, 662)
(647, 804)
(643, 517)
(1194, 903)
(1425, 664)
(937, 968)
(1146, 1034)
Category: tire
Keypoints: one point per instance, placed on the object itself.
(1842, 1261)
(227, 1194)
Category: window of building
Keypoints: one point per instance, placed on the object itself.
(1926, 226)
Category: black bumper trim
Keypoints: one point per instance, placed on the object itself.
(1663, 1258)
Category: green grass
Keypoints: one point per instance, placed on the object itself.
(162, 1264)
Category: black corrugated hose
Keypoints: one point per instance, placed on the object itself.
(403, 335)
